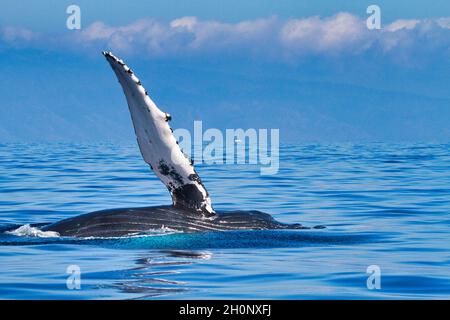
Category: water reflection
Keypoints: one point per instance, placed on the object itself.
(150, 277)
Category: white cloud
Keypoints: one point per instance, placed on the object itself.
(416, 37)
(402, 24)
(17, 34)
(340, 35)
(342, 32)
(444, 22)
(186, 34)
(186, 22)
(142, 34)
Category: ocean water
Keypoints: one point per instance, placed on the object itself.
(383, 205)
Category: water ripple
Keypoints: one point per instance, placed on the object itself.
(383, 204)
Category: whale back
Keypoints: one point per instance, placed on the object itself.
(133, 221)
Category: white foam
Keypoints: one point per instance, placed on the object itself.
(154, 232)
(205, 255)
(29, 231)
(163, 231)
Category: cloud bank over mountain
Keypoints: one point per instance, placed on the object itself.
(342, 34)
(326, 79)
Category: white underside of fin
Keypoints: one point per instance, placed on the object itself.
(157, 144)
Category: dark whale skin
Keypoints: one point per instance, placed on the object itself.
(130, 221)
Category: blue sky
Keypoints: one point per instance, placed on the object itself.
(310, 68)
(49, 14)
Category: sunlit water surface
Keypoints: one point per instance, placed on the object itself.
(383, 205)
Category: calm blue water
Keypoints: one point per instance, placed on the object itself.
(384, 205)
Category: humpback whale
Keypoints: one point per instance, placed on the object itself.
(191, 209)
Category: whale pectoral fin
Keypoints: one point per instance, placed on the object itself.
(158, 145)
